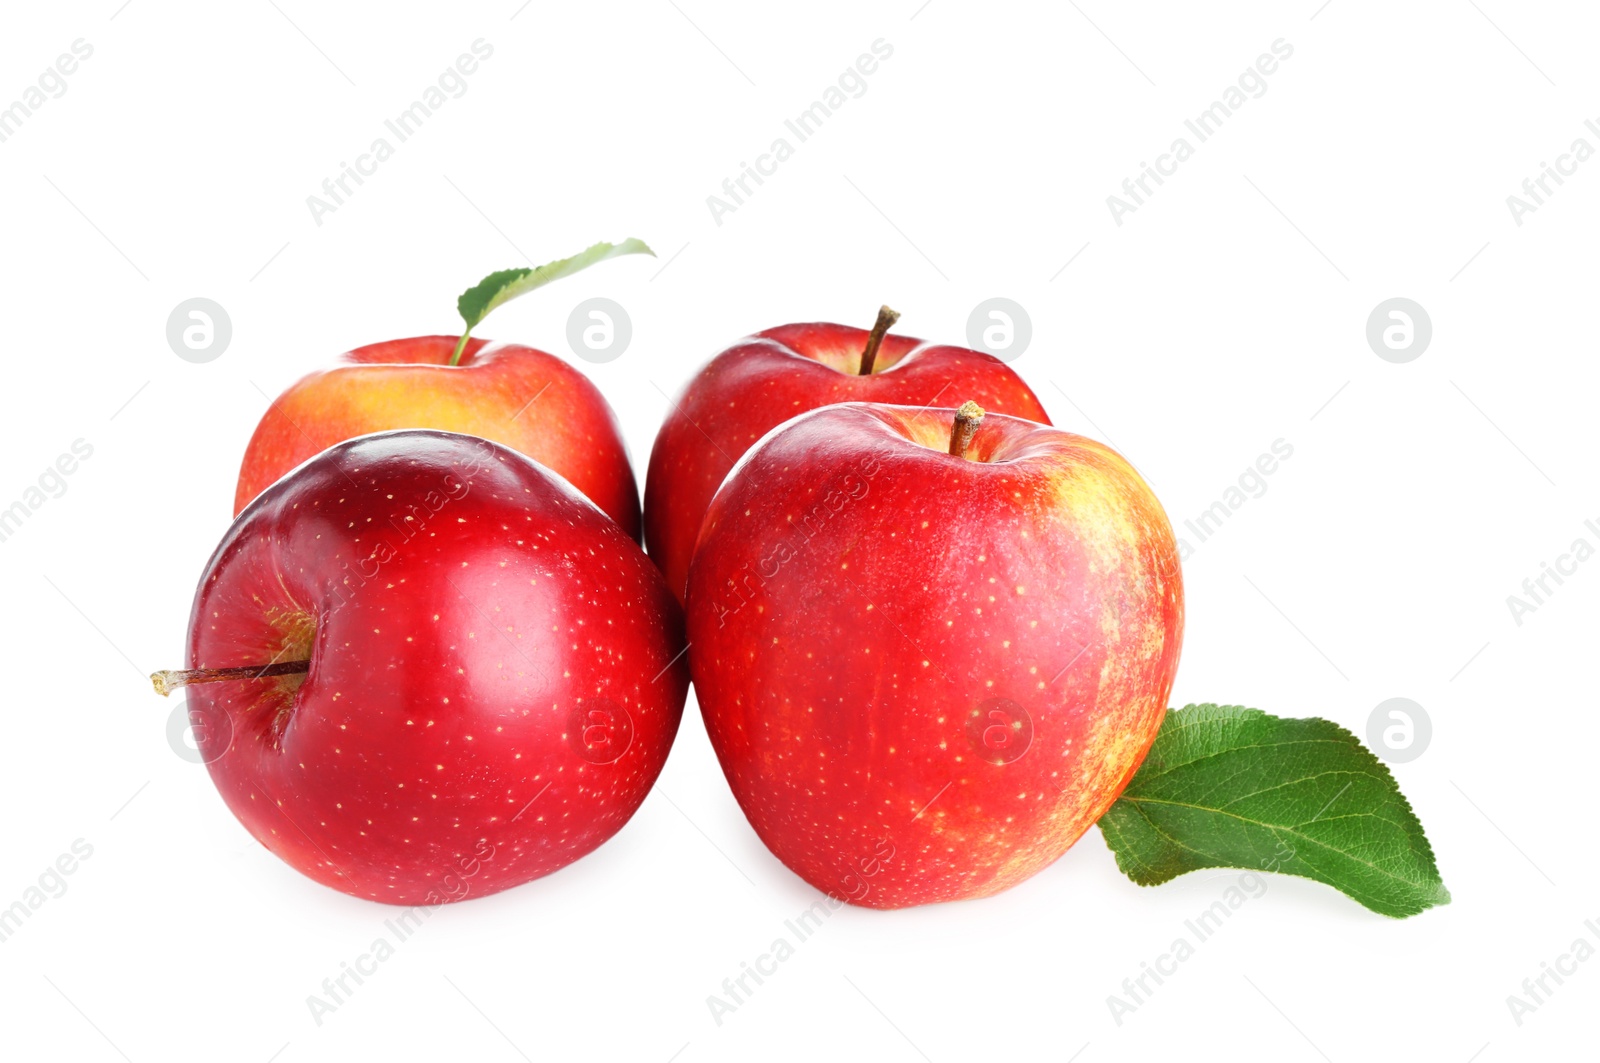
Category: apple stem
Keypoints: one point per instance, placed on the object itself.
(461, 345)
(166, 682)
(968, 418)
(880, 328)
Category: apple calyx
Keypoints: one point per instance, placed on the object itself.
(166, 681)
(968, 417)
(504, 285)
(880, 329)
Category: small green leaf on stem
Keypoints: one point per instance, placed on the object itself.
(1225, 786)
(506, 284)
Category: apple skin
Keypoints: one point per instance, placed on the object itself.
(489, 698)
(925, 676)
(763, 380)
(524, 398)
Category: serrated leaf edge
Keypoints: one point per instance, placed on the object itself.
(1422, 846)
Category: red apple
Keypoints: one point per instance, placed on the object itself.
(929, 658)
(762, 381)
(475, 675)
(523, 398)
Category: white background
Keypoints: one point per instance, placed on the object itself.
(1227, 312)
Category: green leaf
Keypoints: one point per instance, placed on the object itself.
(1225, 786)
(504, 285)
